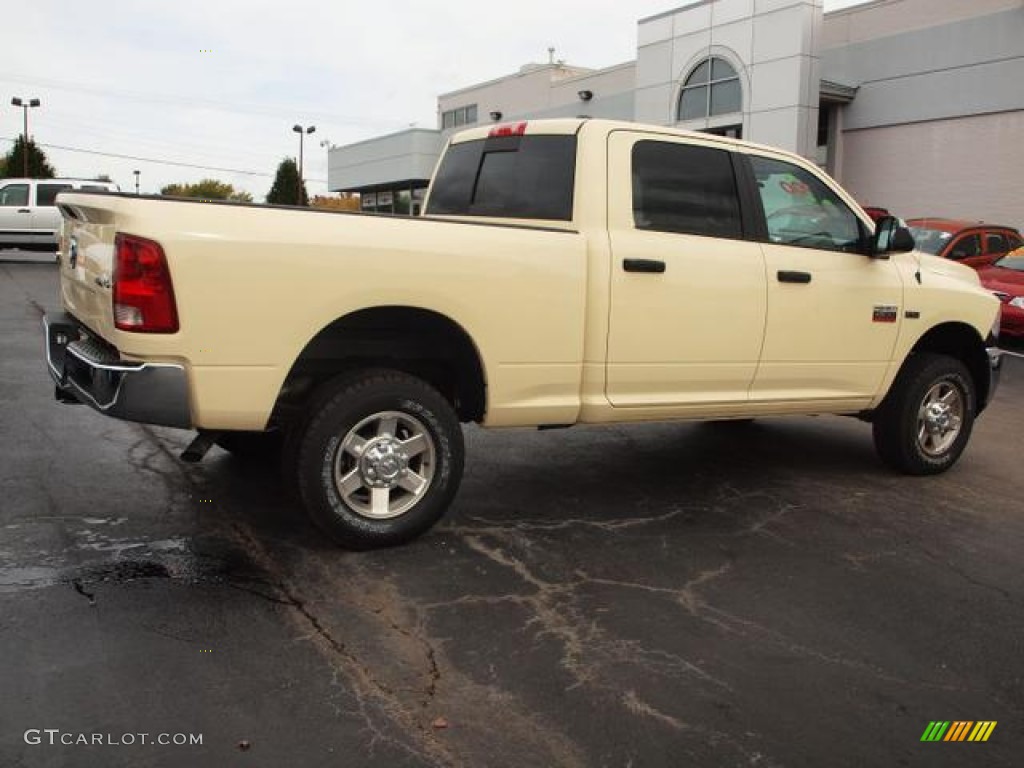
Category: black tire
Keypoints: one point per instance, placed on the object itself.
(252, 446)
(909, 441)
(379, 459)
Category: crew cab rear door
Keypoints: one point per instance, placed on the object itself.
(687, 303)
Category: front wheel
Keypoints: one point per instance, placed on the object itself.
(380, 460)
(924, 423)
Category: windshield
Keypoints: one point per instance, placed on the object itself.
(930, 240)
(1015, 263)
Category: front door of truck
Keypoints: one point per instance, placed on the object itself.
(687, 291)
(833, 312)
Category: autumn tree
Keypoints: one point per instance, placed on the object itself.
(287, 188)
(343, 202)
(207, 189)
(13, 164)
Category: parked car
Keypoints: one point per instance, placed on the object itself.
(1005, 279)
(973, 243)
(28, 215)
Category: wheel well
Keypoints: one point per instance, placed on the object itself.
(420, 342)
(962, 342)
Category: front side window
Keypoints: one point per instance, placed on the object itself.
(14, 194)
(46, 194)
(686, 189)
(965, 247)
(801, 210)
(712, 88)
(514, 177)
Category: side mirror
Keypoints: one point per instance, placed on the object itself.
(890, 237)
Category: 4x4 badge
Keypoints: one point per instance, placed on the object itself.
(885, 313)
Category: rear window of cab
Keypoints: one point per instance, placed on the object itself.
(514, 177)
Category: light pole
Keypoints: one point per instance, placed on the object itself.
(302, 133)
(136, 181)
(25, 104)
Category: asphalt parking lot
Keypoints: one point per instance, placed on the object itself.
(661, 595)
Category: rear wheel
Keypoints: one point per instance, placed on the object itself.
(925, 421)
(379, 460)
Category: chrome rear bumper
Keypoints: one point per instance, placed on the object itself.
(91, 372)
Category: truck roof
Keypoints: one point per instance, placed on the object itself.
(568, 126)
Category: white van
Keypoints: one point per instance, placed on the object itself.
(28, 216)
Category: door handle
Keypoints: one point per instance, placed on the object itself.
(790, 276)
(643, 265)
(24, 210)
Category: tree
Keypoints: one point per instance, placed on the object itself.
(344, 202)
(207, 189)
(286, 189)
(14, 162)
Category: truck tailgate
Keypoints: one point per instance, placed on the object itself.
(86, 255)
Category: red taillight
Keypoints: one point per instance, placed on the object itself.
(143, 295)
(508, 130)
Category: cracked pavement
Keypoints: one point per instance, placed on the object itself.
(759, 594)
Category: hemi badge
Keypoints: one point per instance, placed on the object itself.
(912, 314)
(885, 313)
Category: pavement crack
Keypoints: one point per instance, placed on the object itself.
(90, 596)
(586, 647)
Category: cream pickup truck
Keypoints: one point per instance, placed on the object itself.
(563, 272)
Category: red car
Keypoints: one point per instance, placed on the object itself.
(973, 243)
(876, 212)
(1005, 279)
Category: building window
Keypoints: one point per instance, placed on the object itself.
(713, 88)
(455, 118)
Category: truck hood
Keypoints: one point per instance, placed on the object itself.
(936, 265)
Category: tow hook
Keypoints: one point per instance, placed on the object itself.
(202, 443)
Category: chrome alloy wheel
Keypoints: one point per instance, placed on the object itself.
(385, 465)
(940, 418)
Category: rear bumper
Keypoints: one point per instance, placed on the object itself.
(91, 372)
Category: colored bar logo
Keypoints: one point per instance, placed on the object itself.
(958, 730)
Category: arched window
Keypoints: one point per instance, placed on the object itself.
(713, 88)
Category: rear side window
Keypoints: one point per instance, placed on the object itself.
(686, 189)
(46, 194)
(514, 177)
(995, 243)
(14, 194)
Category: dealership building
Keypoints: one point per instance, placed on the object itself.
(913, 105)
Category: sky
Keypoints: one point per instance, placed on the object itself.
(216, 85)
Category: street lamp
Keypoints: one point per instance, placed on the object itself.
(137, 181)
(25, 104)
(298, 129)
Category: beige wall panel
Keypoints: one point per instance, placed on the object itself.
(969, 167)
